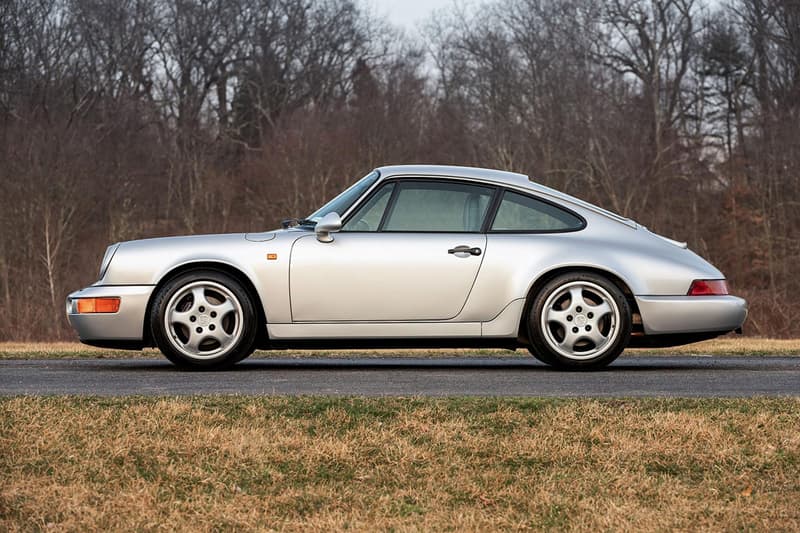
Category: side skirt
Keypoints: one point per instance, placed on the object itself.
(378, 343)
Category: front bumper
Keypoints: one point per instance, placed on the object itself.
(127, 324)
(691, 314)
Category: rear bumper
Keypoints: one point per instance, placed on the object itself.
(126, 326)
(691, 314)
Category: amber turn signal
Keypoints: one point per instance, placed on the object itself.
(97, 305)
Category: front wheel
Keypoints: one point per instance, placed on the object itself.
(579, 320)
(204, 319)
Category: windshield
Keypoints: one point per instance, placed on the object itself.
(342, 203)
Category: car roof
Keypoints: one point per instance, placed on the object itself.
(501, 177)
(487, 174)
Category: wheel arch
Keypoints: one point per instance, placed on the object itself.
(224, 268)
(543, 279)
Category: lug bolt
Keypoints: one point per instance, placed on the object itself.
(578, 309)
(213, 314)
(574, 330)
(199, 330)
(212, 327)
(569, 318)
(590, 315)
(588, 328)
(202, 309)
(192, 318)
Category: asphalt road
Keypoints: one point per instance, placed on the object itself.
(685, 376)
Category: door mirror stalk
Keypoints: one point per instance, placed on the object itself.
(330, 223)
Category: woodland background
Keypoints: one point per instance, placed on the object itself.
(123, 119)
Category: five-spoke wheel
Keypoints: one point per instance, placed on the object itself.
(204, 319)
(579, 320)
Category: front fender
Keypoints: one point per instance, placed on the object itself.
(149, 261)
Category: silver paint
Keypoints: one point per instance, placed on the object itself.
(373, 285)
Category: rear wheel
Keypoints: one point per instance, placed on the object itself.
(204, 319)
(579, 320)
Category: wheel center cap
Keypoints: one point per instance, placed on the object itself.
(581, 320)
(203, 320)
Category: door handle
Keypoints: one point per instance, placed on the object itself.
(464, 250)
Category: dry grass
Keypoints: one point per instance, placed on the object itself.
(732, 345)
(399, 464)
(66, 350)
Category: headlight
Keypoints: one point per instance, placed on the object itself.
(107, 259)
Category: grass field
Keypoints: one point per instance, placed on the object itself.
(232, 463)
(733, 345)
(214, 463)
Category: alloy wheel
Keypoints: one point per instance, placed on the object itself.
(580, 320)
(203, 320)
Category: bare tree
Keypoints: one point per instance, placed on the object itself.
(122, 119)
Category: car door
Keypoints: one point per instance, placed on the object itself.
(410, 252)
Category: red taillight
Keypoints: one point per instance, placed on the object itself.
(97, 305)
(708, 287)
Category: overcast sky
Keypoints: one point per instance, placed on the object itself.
(407, 13)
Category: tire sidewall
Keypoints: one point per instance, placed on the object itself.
(542, 350)
(243, 347)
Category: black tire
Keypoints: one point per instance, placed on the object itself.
(242, 321)
(545, 358)
(553, 308)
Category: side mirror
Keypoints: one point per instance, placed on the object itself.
(328, 224)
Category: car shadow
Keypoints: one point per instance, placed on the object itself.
(489, 364)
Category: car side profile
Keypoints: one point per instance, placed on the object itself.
(413, 256)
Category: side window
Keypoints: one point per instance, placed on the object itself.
(368, 217)
(438, 207)
(522, 213)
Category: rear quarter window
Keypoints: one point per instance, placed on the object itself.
(520, 213)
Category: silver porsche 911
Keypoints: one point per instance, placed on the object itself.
(413, 256)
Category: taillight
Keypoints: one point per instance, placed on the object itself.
(708, 287)
(97, 305)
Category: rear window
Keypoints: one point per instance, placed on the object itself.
(520, 213)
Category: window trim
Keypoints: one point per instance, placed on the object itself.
(489, 229)
(491, 211)
(354, 209)
(349, 209)
(494, 188)
(389, 205)
(366, 199)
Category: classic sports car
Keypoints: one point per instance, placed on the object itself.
(413, 256)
